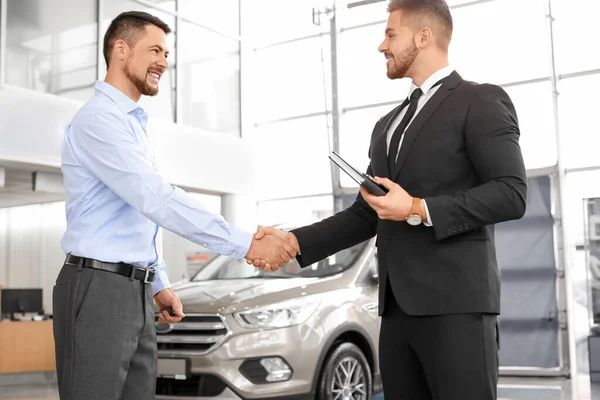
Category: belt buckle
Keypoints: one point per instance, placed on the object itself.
(147, 275)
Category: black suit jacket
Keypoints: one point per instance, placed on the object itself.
(461, 154)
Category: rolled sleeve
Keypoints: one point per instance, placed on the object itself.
(161, 280)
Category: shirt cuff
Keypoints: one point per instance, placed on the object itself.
(428, 222)
(240, 242)
(161, 280)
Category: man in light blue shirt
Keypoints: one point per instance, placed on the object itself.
(116, 201)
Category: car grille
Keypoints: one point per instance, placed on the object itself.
(199, 385)
(195, 334)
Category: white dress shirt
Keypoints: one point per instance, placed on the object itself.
(428, 92)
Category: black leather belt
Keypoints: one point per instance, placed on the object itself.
(145, 275)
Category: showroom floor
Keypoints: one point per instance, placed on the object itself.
(509, 389)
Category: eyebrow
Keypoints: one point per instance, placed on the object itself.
(159, 47)
(388, 30)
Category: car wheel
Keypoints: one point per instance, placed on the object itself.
(346, 375)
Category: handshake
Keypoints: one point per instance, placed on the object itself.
(271, 249)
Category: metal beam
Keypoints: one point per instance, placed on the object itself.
(3, 55)
(544, 171)
(292, 118)
(365, 25)
(306, 196)
(526, 82)
(582, 169)
(177, 110)
(294, 40)
(579, 74)
(246, 52)
(335, 112)
(530, 372)
(568, 362)
(99, 39)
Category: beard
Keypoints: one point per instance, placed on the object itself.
(141, 85)
(403, 62)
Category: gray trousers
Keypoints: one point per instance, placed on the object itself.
(104, 335)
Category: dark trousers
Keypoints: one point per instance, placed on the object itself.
(105, 336)
(442, 357)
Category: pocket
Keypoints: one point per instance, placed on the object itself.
(479, 234)
(84, 287)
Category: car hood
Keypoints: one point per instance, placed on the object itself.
(226, 296)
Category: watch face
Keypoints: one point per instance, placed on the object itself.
(414, 220)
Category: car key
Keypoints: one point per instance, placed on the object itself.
(169, 310)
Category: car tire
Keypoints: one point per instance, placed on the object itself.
(344, 359)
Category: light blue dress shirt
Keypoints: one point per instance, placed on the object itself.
(116, 200)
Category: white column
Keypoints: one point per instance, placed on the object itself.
(240, 211)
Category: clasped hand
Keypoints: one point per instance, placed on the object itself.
(271, 249)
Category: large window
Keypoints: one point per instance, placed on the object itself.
(356, 129)
(274, 21)
(291, 79)
(489, 43)
(52, 51)
(574, 20)
(210, 80)
(221, 15)
(580, 132)
(293, 158)
(533, 103)
(162, 105)
(362, 14)
(362, 69)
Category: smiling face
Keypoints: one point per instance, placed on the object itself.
(399, 46)
(146, 62)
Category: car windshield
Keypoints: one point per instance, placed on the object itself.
(224, 267)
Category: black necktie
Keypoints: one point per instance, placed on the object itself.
(414, 100)
(412, 107)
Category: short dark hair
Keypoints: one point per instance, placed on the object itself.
(437, 10)
(128, 26)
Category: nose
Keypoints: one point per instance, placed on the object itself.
(383, 46)
(163, 63)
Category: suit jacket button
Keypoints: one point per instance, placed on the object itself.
(454, 230)
(449, 231)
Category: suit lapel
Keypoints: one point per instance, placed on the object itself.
(422, 117)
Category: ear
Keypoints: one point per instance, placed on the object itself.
(121, 49)
(425, 38)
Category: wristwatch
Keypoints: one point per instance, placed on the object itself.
(416, 216)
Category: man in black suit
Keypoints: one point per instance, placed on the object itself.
(450, 157)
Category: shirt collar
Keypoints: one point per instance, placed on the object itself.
(122, 101)
(433, 78)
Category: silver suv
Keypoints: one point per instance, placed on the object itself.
(296, 333)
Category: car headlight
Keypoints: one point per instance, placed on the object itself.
(278, 315)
